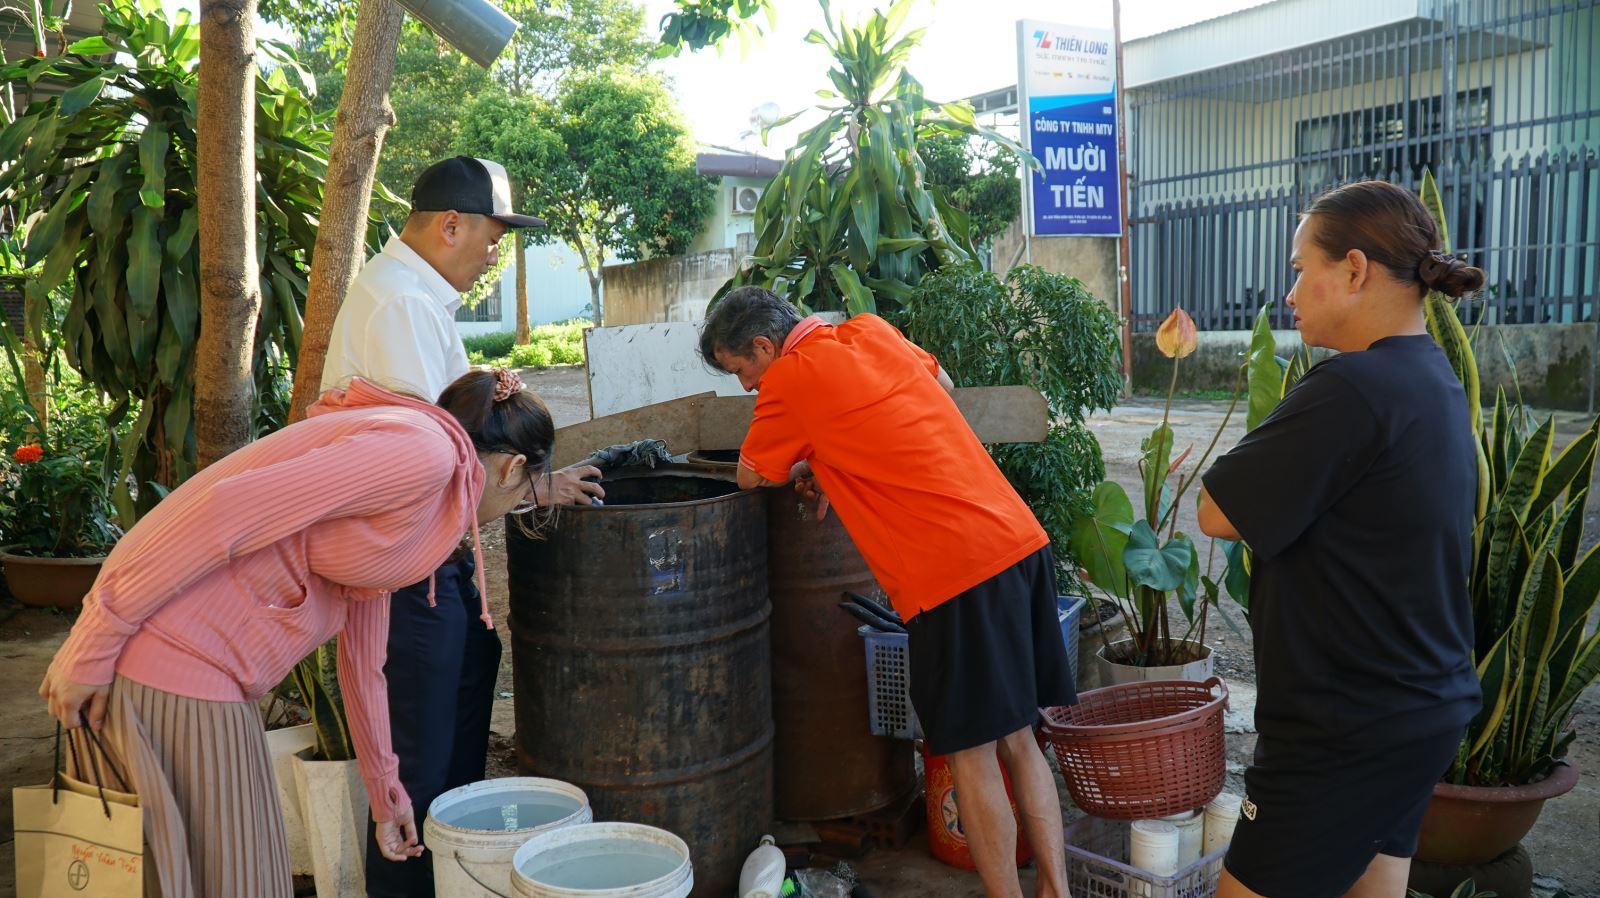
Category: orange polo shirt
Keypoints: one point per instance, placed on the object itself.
(921, 498)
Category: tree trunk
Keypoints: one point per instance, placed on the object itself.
(524, 333)
(33, 373)
(592, 269)
(230, 290)
(364, 118)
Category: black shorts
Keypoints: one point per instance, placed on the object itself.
(1315, 816)
(985, 662)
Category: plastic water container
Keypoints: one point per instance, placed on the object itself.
(1191, 835)
(1153, 847)
(603, 860)
(474, 831)
(1222, 814)
(762, 874)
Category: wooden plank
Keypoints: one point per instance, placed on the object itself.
(712, 422)
(675, 422)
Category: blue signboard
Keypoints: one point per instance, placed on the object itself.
(1067, 85)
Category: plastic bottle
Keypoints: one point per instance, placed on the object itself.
(762, 876)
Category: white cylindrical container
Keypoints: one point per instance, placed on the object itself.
(1153, 847)
(1191, 835)
(762, 874)
(474, 831)
(603, 860)
(1221, 816)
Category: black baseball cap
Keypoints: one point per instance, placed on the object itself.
(466, 184)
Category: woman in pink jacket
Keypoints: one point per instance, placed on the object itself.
(246, 568)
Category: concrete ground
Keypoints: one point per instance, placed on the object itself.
(1565, 844)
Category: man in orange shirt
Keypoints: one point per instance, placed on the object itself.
(863, 417)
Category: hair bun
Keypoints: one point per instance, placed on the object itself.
(1448, 274)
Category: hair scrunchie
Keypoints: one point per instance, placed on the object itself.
(507, 384)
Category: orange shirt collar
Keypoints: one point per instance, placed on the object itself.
(800, 332)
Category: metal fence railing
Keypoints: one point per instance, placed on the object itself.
(1500, 99)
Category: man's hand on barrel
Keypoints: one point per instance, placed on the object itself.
(805, 483)
(570, 486)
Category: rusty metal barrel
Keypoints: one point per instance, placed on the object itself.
(828, 763)
(641, 651)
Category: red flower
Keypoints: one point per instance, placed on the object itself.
(27, 455)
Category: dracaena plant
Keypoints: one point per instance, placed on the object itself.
(849, 222)
(1137, 554)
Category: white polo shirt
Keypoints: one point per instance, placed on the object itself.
(397, 327)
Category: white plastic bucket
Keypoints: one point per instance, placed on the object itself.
(1222, 814)
(603, 860)
(1191, 835)
(1153, 847)
(474, 831)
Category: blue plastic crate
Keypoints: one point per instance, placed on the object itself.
(889, 710)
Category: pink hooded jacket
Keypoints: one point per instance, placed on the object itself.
(265, 555)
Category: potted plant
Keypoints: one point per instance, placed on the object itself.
(1532, 595)
(1143, 560)
(289, 732)
(56, 518)
(332, 797)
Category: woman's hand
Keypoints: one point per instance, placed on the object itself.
(568, 487)
(69, 702)
(805, 483)
(397, 838)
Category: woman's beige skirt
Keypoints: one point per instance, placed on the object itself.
(212, 825)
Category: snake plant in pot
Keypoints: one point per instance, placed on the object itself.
(1139, 557)
(1532, 595)
(332, 796)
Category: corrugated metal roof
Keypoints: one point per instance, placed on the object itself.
(1271, 27)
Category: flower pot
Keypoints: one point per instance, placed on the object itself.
(334, 802)
(49, 582)
(282, 745)
(1476, 824)
(1114, 674)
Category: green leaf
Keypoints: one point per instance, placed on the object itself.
(78, 98)
(91, 46)
(1237, 576)
(1160, 567)
(1097, 541)
(153, 145)
(1155, 456)
(1262, 373)
(144, 281)
(1189, 590)
(858, 299)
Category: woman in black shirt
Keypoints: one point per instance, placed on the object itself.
(1356, 497)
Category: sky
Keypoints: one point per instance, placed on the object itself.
(969, 48)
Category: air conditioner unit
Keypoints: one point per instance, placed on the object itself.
(745, 200)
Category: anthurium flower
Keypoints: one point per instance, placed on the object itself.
(1177, 337)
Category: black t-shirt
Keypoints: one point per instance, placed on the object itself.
(1356, 496)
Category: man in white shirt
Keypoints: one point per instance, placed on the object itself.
(396, 328)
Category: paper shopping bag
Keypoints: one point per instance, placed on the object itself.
(77, 840)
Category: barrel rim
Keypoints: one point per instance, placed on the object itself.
(704, 473)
